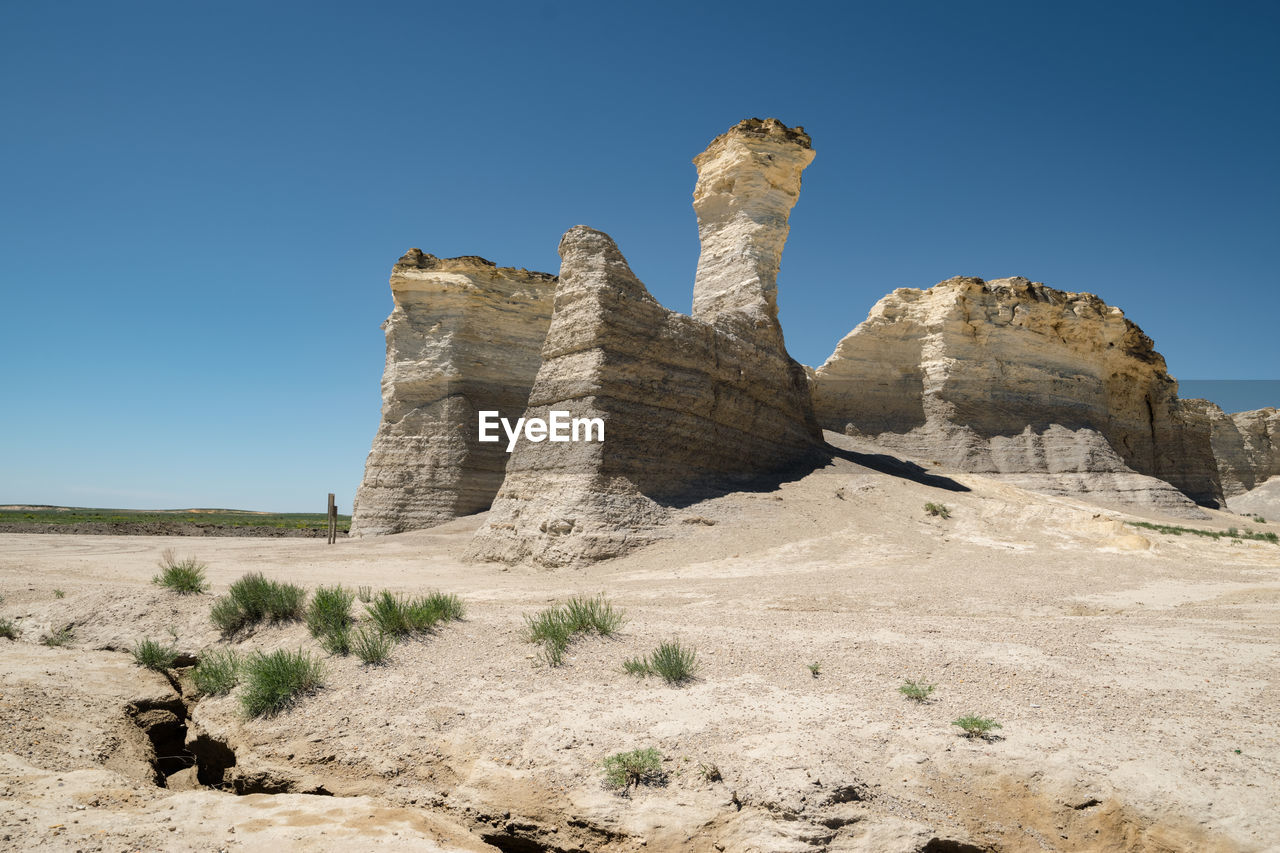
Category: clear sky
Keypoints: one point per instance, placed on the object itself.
(200, 203)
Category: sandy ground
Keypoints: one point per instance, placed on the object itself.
(1136, 676)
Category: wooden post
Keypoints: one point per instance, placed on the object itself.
(333, 520)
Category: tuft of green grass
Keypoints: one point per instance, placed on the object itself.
(154, 655)
(365, 594)
(674, 662)
(637, 666)
(975, 726)
(1230, 532)
(1259, 519)
(9, 630)
(371, 646)
(555, 627)
(185, 577)
(57, 593)
(399, 616)
(273, 681)
(64, 636)
(253, 598)
(217, 672)
(337, 641)
(916, 691)
(815, 668)
(940, 510)
(637, 767)
(330, 610)
(710, 772)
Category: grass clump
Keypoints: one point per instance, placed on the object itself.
(57, 593)
(9, 630)
(916, 691)
(217, 672)
(372, 647)
(637, 767)
(253, 599)
(1230, 532)
(64, 636)
(556, 627)
(676, 663)
(974, 726)
(185, 577)
(815, 668)
(365, 594)
(399, 616)
(940, 510)
(154, 654)
(329, 610)
(337, 641)
(273, 681)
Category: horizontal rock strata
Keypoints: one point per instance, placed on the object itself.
(1054, 391)
(1246, 445)
(688, 402)
(465, 335)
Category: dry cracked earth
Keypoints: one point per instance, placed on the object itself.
(1136, 677)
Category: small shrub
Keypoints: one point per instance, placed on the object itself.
(975, 726)
(637, 767)
(940, 510)
(273, 681)
(372, 647)
(9, 630)
(64, 636)
(709, 772)
(1259, 519)
(815, 668)
(57, 593)
(337, 641)
(217, 672)
(365, 594)
(674, 662)
(916, 691)
(154, 655)
(185, 577)
(329, 611)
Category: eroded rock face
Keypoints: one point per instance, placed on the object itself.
(1246, 445)
(1054, 391)
(688, 402)
(465, 335)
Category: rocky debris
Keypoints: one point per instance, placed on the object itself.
(688, 403)
(1053, 391)
(464, 336)
(1246, 445)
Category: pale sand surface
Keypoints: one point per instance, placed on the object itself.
(1136, 676)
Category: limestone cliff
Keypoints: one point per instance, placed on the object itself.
(688, 402)
(1051, 390)
(465, 335)
(1246, 445)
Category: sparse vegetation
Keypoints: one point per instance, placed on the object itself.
(9, 630)
(57, 593)
(815, 668)
(185, 577)
(399, 616)
(337, 641)
(917, 691)
(675, 662)
(177, 521)
(974, 726)
(64, 636)
(556, 627)
(273, 681)
(253, 598)
(709, 772)
(217, 672)
(365, 594)
(1230, 532)
(1259, 519)
(154, 655)
(637, 767)
(372, 647)
(940, 510)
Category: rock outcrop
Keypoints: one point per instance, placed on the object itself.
(688, 403)
(1053, 391)
(1246, 445)
(465, 335)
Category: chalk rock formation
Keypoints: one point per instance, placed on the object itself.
(465, 335)
(687, 402)
(1053, 391)
(1246, 445)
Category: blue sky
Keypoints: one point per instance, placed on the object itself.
(202, 203)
